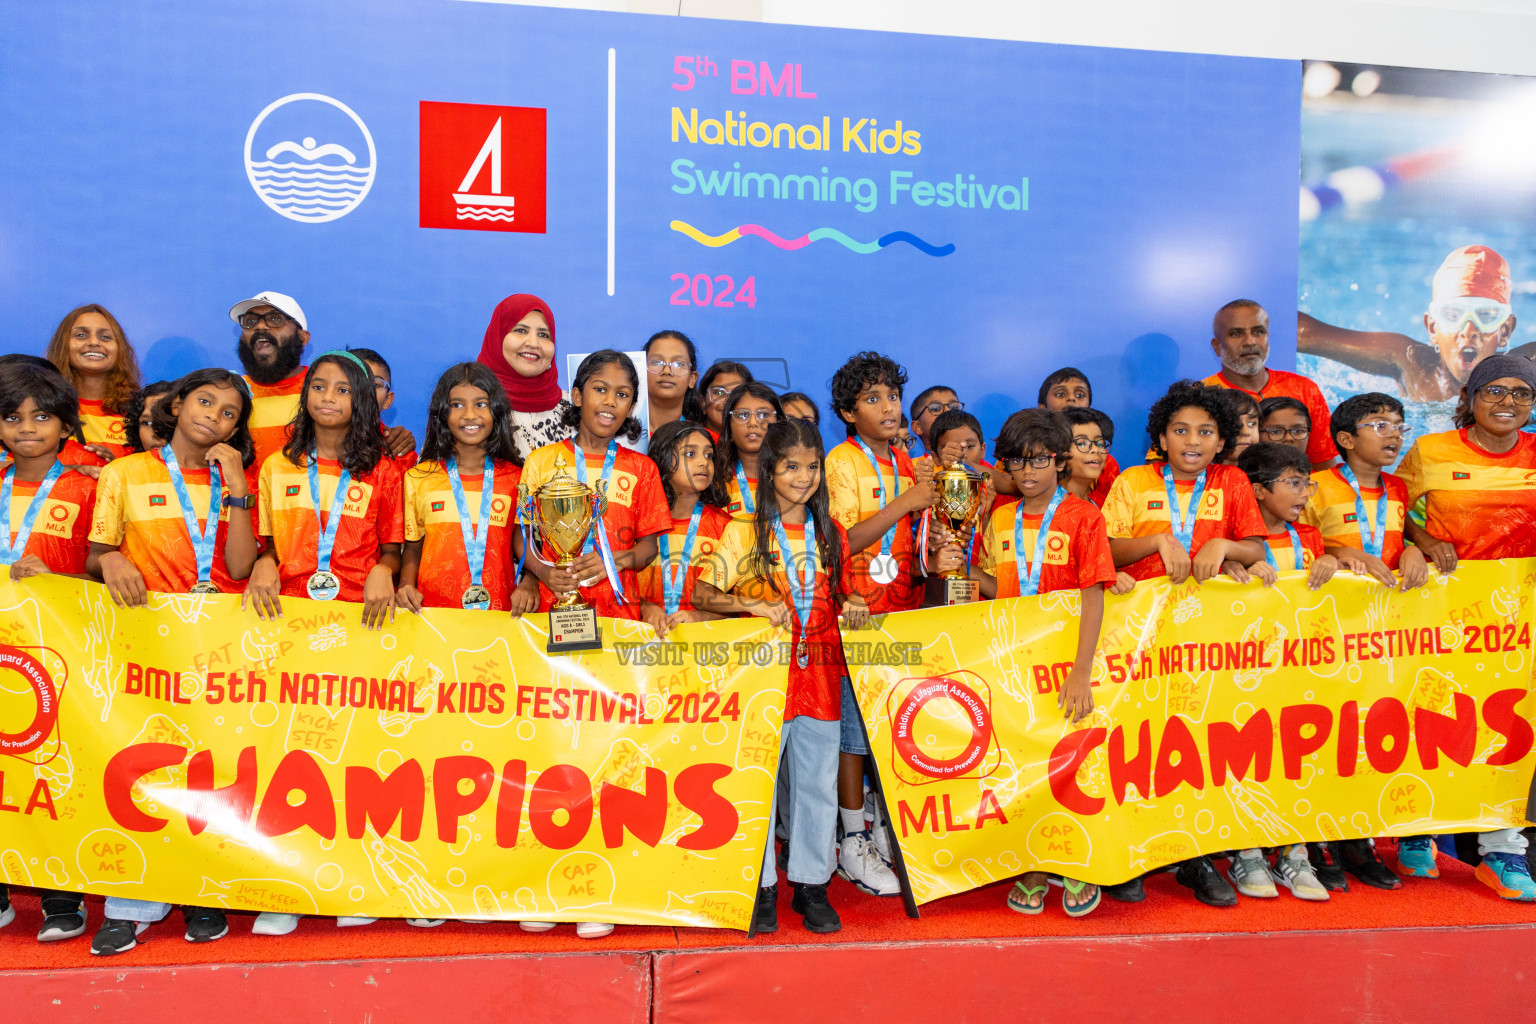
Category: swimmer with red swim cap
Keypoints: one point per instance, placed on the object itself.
(1469, 319)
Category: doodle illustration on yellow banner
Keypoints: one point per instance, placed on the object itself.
(1226, 716)
(446, 766)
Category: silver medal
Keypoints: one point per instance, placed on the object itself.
(882, 569)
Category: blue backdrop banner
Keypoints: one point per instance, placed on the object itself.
(983, 211)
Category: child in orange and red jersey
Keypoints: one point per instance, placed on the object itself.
(624, 538)
(1359, 507)
(714, 387)
(398, 442)
(331, 510)
(956, 439)
(685, 461)
(92, 352)
(331, 513)
(138, 422)
(1069, 388)
(1287, 420)
(796, 548)
(1246, 408)
(1478, 504)
(746, 416)
(1184, 516)
(177, 519)
(75, 454)
(1153, 530)
(876, 494)
(1048, 540)
(462, 498)
(45, 525)
(603, 397)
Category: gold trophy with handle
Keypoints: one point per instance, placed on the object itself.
(957, 506)
(562, 511)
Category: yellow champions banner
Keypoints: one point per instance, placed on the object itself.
(444, 767)
(1226, 716)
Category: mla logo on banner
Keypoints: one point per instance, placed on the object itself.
(482, 167)
(310, 158)
(941, 728)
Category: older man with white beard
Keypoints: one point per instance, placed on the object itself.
(1241, 341)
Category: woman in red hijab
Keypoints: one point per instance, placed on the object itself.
(519, 348)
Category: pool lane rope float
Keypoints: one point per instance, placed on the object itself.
(816, 235)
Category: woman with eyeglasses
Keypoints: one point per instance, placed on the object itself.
(1478, 504)
(749, 411)
(519, 348)
(671, 371)
(715, 386)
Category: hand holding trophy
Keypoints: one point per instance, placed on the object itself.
(957, 504)
(562, 511)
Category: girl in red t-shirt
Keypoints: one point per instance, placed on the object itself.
(792, 567)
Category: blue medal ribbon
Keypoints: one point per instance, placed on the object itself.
(1296, 549)
(1376, 542)
(202, 541)
(474, 543)
(889, 537)
(328, 527)
(672, 584)
(10, 552)
(802, 580)
(1182, 521)
(603, 546)
(746, 492)
(1029, 584)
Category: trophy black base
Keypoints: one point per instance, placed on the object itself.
(574, 629)
(940, 591)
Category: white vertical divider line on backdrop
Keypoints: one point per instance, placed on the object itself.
(613, 64)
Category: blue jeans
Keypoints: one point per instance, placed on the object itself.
(119, 909)
(851, 738)
(808, 757)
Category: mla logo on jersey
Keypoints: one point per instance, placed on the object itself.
(310, 158)
(482, 167)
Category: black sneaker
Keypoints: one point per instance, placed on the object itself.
(204, 924)
(1326, 866)
(63, 917)
(7, 912)
(115, 937)
(765, 916)
(1360, 859)
(1210, 888)
(1126, 892)
(810, 903)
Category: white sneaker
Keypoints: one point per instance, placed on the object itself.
(7, 915)
(859, 863)
(354, 922)
(536, 926)
(269, 923)
(1293, 869)
(1249, 873)
(877, 829)
(593, 930)
(425, 922)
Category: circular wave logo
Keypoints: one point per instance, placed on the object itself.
(310, 158)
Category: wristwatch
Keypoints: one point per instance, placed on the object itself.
(247, 502)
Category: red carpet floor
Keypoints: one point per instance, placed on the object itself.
(1456, 898)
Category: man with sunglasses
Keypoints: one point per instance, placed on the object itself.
(1469, 319)
(273, 333)
(1240, 339)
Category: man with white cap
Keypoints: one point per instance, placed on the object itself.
(1469, 319)
(273, 333)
